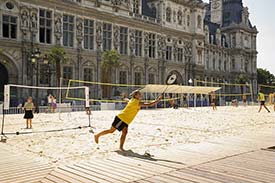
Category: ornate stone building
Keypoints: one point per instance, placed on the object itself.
(156, 38)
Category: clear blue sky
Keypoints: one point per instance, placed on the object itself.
(262, 14)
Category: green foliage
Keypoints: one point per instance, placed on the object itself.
(241, 79)
(57, 56)
(110, 59)
(265, 77)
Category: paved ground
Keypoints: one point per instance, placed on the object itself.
(242, 159)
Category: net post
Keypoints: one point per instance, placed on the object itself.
(251, 92)
(6, 105)
(87, 103)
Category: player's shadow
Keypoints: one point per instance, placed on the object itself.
(132, 154)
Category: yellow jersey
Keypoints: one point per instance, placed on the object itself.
(130, 111)
(261, 97)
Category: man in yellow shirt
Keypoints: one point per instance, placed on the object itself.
(126, 116)
(261, 99)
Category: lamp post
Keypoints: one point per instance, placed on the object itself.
(35, 57)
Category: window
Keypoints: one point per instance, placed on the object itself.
(138, 43)
(188, 20)
(123, 77)
(137, 78)
(220, 65)
(224, 66)
(68, 30)
(180, 17)
(168, 14)
(9, 27)
(169, 53)
(207, 63)
(44, 74)
(107, 37)
(199, 22)
(214, 64)
(233, 64)
(89, 34)
(45, 26)
(180, 54)
(88, 74)
(67, 74)
(151, 78)
(136, 6)
(123, 40)
(154, 12)
(152, 45)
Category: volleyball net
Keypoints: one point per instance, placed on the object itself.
(52, 111)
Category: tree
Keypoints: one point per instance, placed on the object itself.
(241, 79)
(110, 61)
(57, 56)
(264, 77)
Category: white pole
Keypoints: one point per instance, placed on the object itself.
(60, 87)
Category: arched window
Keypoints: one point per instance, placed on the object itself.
(180, 17)
(199, 22)
(168, 14)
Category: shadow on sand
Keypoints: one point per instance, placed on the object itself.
(145, 156)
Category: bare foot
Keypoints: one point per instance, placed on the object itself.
(121, 148)
(96, 138)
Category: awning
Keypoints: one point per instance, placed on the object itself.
(178, 89)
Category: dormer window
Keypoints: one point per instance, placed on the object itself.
(136, 6)
(180, 17)
(168, 14)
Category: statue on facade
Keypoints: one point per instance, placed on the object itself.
(57, 23)
(175, 49)
(79, 29)
(132, 40)
(98, 34)
(146, 43)
(24, 19)
(116, 37)
(34, 20)
(161, 46)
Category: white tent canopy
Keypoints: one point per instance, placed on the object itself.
(178, 89)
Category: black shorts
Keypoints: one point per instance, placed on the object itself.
(118, 124)
(262, 102)
(28, 115)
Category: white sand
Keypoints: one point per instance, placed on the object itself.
(151, 130)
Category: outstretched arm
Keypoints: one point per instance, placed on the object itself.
(142, 104)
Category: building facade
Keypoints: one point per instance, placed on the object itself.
(213, 42)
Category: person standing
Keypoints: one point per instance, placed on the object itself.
(50, 101)
(213, 100)
(261, 99)
(54, 105)
(244, 100)
(28, 107)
